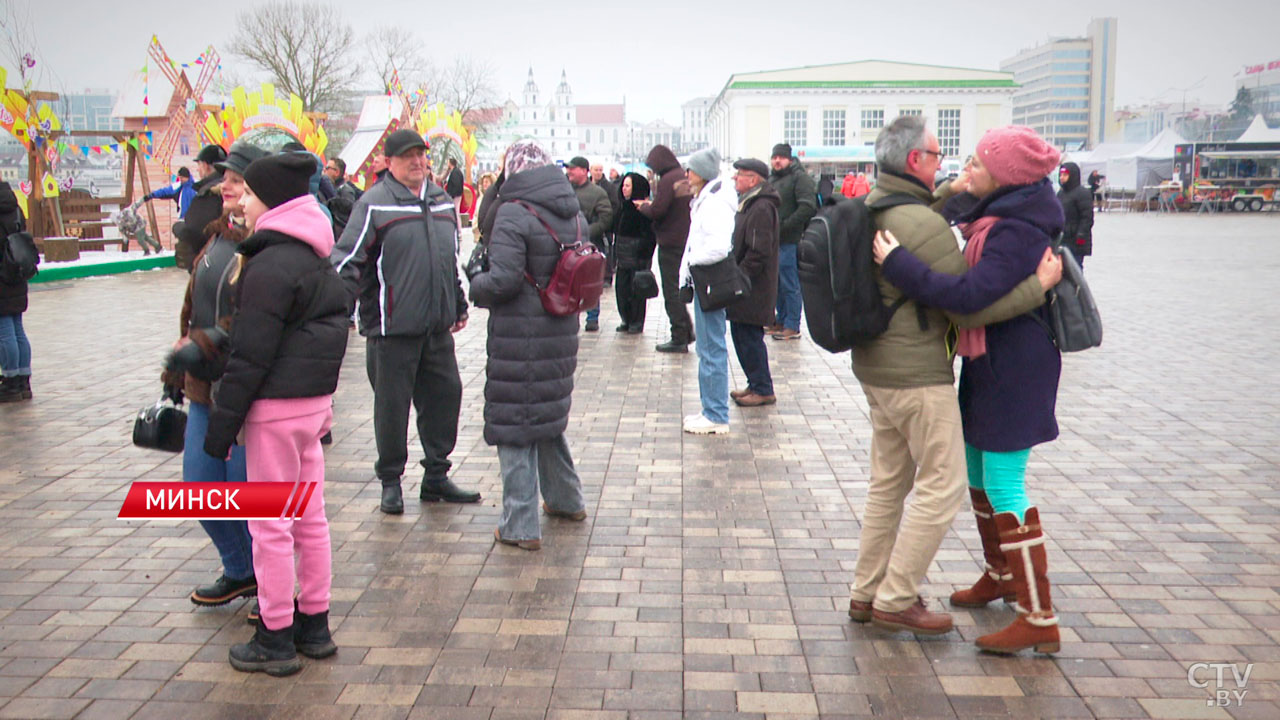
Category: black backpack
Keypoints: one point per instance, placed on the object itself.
(18, 258)
(838, 276)
(1074, 321)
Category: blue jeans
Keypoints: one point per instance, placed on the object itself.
(545, 464)
(713, 363)
(789, 299)
(753, 356)
(15, 351)
(231, 537)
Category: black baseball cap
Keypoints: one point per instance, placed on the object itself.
(402, 140)
(579, 162)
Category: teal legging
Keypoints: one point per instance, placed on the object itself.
(1002, 476)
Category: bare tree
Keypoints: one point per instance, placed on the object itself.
(467, 85)
(393, 49)
(306, 48)
(18, 46)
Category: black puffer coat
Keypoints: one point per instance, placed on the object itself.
(532, 355)
(1077, 207)
(13, 296)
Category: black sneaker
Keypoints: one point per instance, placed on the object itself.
(444, 490)
(270, 651)
(327, 438)
(592, 326)
(672, 347)
(224, 590)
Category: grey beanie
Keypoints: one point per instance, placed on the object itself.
(706, 163)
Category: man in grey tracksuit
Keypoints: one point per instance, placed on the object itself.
(399, 259)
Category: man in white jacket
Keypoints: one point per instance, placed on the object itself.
(712, 212)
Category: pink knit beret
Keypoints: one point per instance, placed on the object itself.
(1016, 155)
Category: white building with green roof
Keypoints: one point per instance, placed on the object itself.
(832, 114)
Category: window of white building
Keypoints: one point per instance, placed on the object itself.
(872, 118)
(833, 127)
(795, 127)
(949, 131)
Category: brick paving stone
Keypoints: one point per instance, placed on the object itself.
(711, 577)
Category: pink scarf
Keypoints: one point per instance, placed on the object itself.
(972, 342)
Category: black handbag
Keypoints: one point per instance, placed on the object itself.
(160, 426)
(719, 284)
(478, 262)
(644, 285)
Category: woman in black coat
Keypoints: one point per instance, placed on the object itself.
(633, 246)
(532, 354)
(1077, 208)
(15, 349)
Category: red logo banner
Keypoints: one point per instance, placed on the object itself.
(216, 501)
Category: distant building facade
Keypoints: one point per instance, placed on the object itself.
(1068, 87)
(694, 134)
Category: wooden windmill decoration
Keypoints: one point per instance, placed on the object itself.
(189, 111)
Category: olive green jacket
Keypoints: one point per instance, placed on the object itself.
(905, 355)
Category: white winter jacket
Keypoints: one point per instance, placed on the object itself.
(711, 218)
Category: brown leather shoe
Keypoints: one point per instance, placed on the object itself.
(578, 516)
(753, 400)
(859, 611)
(735, 394)
(916, 619)
(786, 333)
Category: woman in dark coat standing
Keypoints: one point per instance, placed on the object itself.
(15, 349)
(1077, 209)
(1009, 378)
(633, 246)
(532, 354)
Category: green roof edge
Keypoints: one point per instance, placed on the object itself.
(771, 84)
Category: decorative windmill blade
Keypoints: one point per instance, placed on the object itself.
(181, 116)
(167, 66)
(199, 116)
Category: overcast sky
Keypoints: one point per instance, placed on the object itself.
(660, 53)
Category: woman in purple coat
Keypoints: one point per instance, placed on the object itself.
(1009, 376)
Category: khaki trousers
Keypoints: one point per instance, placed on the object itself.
(916, 442)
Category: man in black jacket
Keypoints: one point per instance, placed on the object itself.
(799, 203)
(614, 192)
(453, 184)
(1077, 207)
(597, 209)
(755, 249)
(399, 258)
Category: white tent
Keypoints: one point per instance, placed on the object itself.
(1096, 159)
(1147, 166)
(375, 118)
(1259, 132)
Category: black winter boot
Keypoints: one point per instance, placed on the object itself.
(311, 634)
(10, 390)
(270, 651)
(25, 386)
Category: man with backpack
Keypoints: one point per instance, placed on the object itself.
(907, 376)
(399, 257)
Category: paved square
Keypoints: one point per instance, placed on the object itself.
(711, 577)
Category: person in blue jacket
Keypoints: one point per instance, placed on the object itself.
(184, 191)
(1009, 377)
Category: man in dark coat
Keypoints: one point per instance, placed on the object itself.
(755, 249)
(399, 257)
(596, 207)
(204, 207)
(454, 182)
(1077, 206)
(669, 212)
(798, 204)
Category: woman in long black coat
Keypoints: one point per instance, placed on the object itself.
(633, 246)
(15, 349)
(532, 354)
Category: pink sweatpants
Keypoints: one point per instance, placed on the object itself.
(287, 449)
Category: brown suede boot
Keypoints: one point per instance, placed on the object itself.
(997, 582)
(1036, 625)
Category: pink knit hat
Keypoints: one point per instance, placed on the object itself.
(1016, 155)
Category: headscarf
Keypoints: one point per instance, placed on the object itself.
(526, 155)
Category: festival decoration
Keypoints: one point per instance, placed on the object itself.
(31, 123)
(188, 111)
(262, 108)
(437, 122)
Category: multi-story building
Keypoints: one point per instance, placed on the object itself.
(566, 129)
(90, 110)
(832, 114)
(602, 130)
(1263, 82)
(693, 130)
(1068, 87)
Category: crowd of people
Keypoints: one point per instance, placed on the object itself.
(282, 267)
